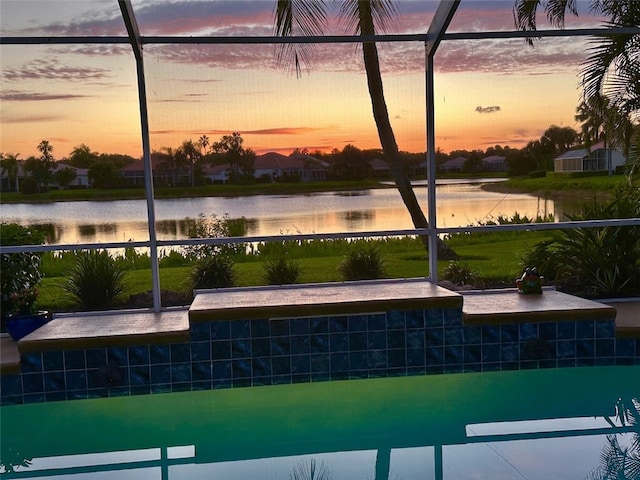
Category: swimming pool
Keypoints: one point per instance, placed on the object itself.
(535, 424)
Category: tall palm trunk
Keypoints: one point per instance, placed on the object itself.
(385, 131)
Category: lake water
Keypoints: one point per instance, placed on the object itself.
(458, 204)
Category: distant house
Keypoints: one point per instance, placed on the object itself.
(81, 180)
(276, 166)
(494, 163)
(163, 173)
(454, 165)
(216, 173)
(379, 167)
(594, 159)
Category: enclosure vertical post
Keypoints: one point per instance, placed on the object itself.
(431, 169)
(134, 37)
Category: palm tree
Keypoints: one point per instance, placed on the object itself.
(10, 166)
(309, 18)
(612, 68)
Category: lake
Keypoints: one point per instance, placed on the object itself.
(459, 203)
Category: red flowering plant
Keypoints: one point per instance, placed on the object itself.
(19, 272)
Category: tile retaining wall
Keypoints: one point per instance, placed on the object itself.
(242, 353)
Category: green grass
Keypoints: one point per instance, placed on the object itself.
(496, 257)
(559, 184)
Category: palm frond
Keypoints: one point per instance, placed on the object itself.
(383, 13)
(299, 18)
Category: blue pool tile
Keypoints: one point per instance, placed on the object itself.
(472, 354)
(34, 398)
(548, 330)
(201, 385)
(74, 360)
(10, 385)
(60, 396)
(139, 355)
(605, 361)
(300, 326)
(585, 362)
(537, 349)
(415, 339)
(221, 350)
(180, 353)
(585, 329)
(219, 383)
(509, 333)
(221, 370)
(260, 347)
(472, 335)
(605, 347)
(357, 323)
(396, 358)
(320, 363)
(566, 330)
(261, 381)
(472, 367)
(180, 372)
(605, 329)
(566, 362)
(396, 339)
(159, 354)
(31, 362)
(319, 343)
(453, 336)
(281, 380)
(338, 324)
(358, 374)
(319, 325)
(96, 357)
(585, 348)
(54, 361)
(281, 365)
(509, 352)
(412, 371)
(119, 392)
(566, 349)
(434, 356)
(395, 320)
(434, 317)
(625, 361)
(357, 341)
(528, 331)
(300, 344)
(260, 328)
(529, 365)
(241, 329)
(76, 380)
(300, 364)
(280, 346)
(118, 356)
(300, 378)
(160, 374)
(452, 317)
(434, 337)
(453, 355)
(490, 334)
(221, 330)
(181, 387)
(376, 340)
(261, 366)
(358, 360)
(549, 363)
(434, 369)
(376, 322)
(454, 368)
(200, 351)
(139, 390)
(625, 347)
(241, 368)
(280, 328)
(491, 352)
(490, 367)
(32, 383)
(506, 366)
(339, 363)
(200, 332)
(377, 359)
(241, 348)
(414, 319)
(339, 342)
(139, 375)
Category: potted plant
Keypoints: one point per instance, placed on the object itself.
(19, 279)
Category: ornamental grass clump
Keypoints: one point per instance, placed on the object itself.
(281, 271)
(213, 271)
(363, 262)
(96, 281)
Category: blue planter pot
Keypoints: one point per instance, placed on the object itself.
(22, 324)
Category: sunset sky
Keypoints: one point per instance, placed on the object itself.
(488, 92)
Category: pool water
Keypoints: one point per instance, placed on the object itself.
(538, 424)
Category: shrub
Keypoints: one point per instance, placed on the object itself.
(215, 227)
(363, 262)
(96, 281)
(213, 271)
(537, 174)
(19, 272)
(281, 271)
(459, 273)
